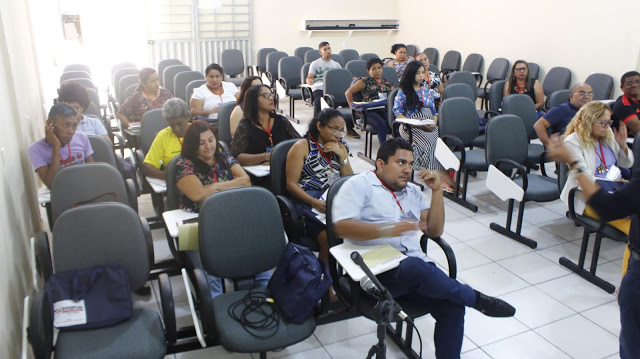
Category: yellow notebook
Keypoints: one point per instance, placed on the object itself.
(382, 258)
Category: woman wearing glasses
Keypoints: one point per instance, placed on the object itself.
(261, 129)
(313, 164)
(520, 82)
(597, 150)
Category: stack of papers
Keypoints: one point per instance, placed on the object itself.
(258, 170)
(415, 122)
(383, 258)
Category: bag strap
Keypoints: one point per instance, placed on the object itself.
(91, 200)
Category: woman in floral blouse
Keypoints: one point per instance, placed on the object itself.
(147, 96)
(369, 87)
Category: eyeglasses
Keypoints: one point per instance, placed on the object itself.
(521, 69)
(605, 123)
(629, 83)
(337, 130)
(585, 94)
(268, 95)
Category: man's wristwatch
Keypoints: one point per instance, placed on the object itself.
(345, 162)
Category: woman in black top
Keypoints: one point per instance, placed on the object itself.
(520, 82)
(261, 129)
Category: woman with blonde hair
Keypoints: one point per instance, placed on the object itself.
(596, 150)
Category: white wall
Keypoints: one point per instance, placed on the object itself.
(278, 24)
(23, 122)
(585, 36)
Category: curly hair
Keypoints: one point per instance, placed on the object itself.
(582, 123)
(74, 92)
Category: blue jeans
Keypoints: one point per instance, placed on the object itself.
(215, 283)
(444, 298)
(629, 301)
(380, 123)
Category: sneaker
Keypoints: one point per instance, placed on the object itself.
(493, 307)
(352, 133)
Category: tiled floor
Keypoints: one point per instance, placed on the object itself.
(559, 314)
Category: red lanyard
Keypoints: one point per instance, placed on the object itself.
(390, 191)
(328, 159)
(68, 162)
(154, 103)
(215, 171)
(601, 158)
(268, 130)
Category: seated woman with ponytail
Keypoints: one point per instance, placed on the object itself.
(313, 164)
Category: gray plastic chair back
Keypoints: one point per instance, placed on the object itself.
(300, 51)
(391, 117)
(368, 55)
(101, 234)
(279, 167)
(432, 54)
(289, 69)
(451, 61)
(463, 77)
(458, 117)
(182, 79)
(172, 192)
(495, 95)
(459, 90)
(558, 78)
(69, 75)
(390, 74)
(92, 111)
(122, 65)
(473, 63)
(162, 65)
(311, 56)
(563, 175)
(358, 68)
(272, 62)
(152, 122)
(232, 62)
(169, 75)
(192, 86)
(129, 91)
(224, 122)
(433, 68)
(119, 74)
(242, 237)
(522, 106)
(498, 69)
(86, 182)
(534, 70)
(84, 82)
(559, 97)
(337, 58)
(77, 67)
(412, 50)
(349, 55)
(103, 150)
(336, 82)
(261, 58)
(125, 82)
(506, 138)
(304, 71)
(602, 84)
(94, 97)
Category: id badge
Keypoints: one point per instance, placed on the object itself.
(332, 177)
(408, 216)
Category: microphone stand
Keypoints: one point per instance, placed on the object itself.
(386, 310)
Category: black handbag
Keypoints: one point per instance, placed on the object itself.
(91, 298)
(298, 283)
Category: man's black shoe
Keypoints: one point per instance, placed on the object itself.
(144, 291)
(492, 306)
(352, 133)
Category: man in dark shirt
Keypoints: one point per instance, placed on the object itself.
(610, 206)
(627, 106)
(560, 115)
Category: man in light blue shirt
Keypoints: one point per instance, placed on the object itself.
(382, 207)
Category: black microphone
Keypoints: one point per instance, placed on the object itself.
(372, 285)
